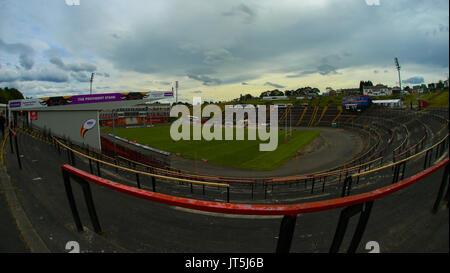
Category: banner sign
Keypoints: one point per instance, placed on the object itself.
(84, 99)
(24, 104)
(95, 98)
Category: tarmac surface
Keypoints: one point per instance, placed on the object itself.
(400, 222)
(11, 240)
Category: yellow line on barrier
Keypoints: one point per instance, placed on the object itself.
(321, 116)
(401, 161)
(339, 114)
(313, 117)
(303, 114)
(143, 173)
(285, 114)
(3, 149)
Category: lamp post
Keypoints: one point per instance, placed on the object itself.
(398, 69)
(176, 90)
(92, 79)
(114, 130)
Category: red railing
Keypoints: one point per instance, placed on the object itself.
(352, 204)
(252, 209)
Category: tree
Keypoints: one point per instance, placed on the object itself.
(364, 83)
(246, 97)
(7, 94)
(276, 92)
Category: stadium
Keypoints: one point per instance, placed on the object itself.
(224, 135)
(138, 190)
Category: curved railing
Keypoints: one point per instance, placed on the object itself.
(360, 203)
(312, 179)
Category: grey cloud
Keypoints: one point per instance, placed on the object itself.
(208, 81)
(58, 62)
(53, 52)
(217, 56)
(25, 52)
(45, 75)
(242, 11)
(274, 85)
(326, 69)
(331, 58)
(301, 74)
(8, 76)
(81, 76)
(414, 80)
(81, 67)
(72, 67)
(204, 49)
(106, 75)
(266, 45)
(323, 69)
(26, 61)
(197, 92)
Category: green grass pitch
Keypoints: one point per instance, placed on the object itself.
(234, 153)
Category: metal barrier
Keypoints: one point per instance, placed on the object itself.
(71, 152)
(353, 172)
(360, 203)
(11, 135)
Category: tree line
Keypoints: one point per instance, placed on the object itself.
(7, 94)
(304, 91)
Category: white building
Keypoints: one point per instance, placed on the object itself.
(396, 103)
(378, 90)
(275, 98)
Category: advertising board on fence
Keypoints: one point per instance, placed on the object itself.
(85, 99)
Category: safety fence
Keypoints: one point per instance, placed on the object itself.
(11, 134)
(338, 182)
(351, 205)
(115, 149)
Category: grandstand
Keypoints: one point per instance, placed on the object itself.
(151, 114)
(401, 147)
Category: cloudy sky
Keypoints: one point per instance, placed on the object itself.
(219, 49)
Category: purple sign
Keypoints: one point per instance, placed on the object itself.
(14, 104)
(96, 98)
(168, 94)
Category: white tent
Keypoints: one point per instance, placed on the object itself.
(394, 103)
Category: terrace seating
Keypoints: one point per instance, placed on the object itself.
(389, 136)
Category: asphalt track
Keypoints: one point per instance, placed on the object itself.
(401, 222)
